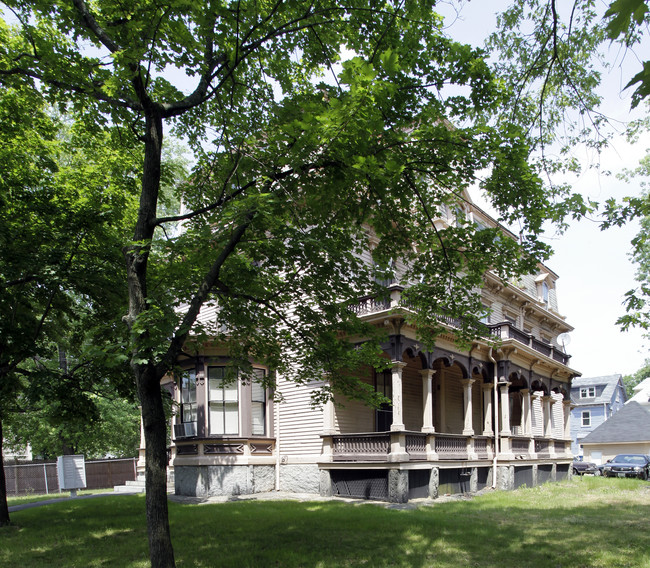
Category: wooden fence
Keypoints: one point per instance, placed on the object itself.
(39, 478)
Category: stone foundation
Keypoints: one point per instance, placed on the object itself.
(300, 478)
(213, 480)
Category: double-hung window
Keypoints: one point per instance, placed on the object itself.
(223, 402)
(258, 404)
(188, 396)
(588, 392)
(586, 418)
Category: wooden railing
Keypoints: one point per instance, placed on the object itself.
(507, 331)
(376, 446)
(451, 447)
(520, 446)
(481, 448)
(361, 447)
(416, 446)
(369, 305)
(504, 330)
(542, 448)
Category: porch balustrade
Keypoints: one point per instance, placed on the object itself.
(416, 446)
(376, 447)
(361, 447)
(450, 447)
(481, 448)
(520, 446)
(542, 448)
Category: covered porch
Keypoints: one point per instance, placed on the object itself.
(453, 417)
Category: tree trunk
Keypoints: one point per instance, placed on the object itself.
(155, 435)
(4, 508)
(147, 378)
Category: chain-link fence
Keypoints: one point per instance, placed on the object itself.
(38, 478)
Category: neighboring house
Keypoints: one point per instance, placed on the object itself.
(627, 432)
(17, 455)
(595, 399)
(642, 392)
(461, 420)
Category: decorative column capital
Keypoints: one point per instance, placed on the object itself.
(428, 373)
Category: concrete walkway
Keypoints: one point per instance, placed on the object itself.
(14, 508)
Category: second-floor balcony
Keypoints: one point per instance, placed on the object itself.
(503, 331)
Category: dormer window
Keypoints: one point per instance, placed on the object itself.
(544, 284)
(588, 392)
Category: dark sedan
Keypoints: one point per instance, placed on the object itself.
(581, 467)
(628, 465)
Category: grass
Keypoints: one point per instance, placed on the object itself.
(588, 522)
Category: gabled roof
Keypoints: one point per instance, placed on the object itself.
(642, 392)
(610, 382)
(630, 424)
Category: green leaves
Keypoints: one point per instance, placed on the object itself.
(623, 14)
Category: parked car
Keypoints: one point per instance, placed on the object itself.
(628, 465)
(581, 467)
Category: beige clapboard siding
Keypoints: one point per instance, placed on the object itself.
(300, 426)
(454, 400)
(558, 416)
(412, 397)
(537, 417)
(351, 416)
(477, 406)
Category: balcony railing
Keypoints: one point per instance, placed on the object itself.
(369, 305)
(508, 331)
(505, 330)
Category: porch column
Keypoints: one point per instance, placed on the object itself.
(398, 412)
(468, 430)
(328, 418)
(526, 418)
(427, 399)
(505, 408)
(487, 409)
(548, 418)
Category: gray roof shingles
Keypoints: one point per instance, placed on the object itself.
(630, 424)
(610, 382)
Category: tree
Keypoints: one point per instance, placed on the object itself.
(109, 427)
(58, 248)
(630, 381)
(299, 156)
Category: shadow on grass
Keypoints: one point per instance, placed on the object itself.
(590, 523)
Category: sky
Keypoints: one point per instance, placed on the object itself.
(593, 266)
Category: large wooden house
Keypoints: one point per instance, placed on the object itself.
(496, 414)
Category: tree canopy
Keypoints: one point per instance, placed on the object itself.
(318, 131)
(65, 191)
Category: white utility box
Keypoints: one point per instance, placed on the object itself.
(71, 471)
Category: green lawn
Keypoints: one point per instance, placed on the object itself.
(589, 522)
